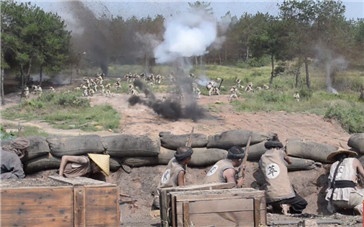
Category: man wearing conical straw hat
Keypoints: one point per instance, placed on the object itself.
(342, 192)
(85, 166)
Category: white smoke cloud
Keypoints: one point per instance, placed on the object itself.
(332, 63)
(186, 35)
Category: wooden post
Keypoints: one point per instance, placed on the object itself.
(257, 202)
(186, 214)
(79, 206)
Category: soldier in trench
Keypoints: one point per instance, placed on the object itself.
(11, 165)
(174, 174)
(224, 171)
(279, 191)
(95, 166)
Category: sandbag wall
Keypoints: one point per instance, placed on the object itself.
(136, 151)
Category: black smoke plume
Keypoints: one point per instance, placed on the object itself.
(170, 108)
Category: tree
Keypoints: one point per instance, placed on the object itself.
(32, 38)
(313, 25)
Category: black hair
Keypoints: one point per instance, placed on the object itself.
(236, 152)
(183, 153)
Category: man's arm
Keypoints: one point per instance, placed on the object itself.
(181, 178)
(68, 158)
(230, 175)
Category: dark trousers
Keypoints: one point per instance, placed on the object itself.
(297, 203)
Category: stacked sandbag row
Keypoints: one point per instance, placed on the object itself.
(212, 148)
(46, 153)
(304, 155)
(135, 151)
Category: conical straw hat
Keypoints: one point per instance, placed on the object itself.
(340, 150)
(102, 161)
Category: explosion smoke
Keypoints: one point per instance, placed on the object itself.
(171, 109)
(96, 36)
(186, 35)
(332, 64)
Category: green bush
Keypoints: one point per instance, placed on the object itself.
(350, 116)
(71, 100)
(4, 136)
(305, 93)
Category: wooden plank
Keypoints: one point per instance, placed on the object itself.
(257, 204)
(37, 221)
(36, 206)
(229, 207)
(217, 194)
(80, 181)
(35, 196)
(79, 206)
(225, 219)
(102, 206)
(173, 209)
(216, 206)
(186, 214)
(165, 202)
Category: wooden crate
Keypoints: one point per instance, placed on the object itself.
(165, 198)
(226, 207)
(59, 202)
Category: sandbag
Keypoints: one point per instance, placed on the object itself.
(302, 164)
(45, 162)
(227, 139)
(114, 164)
(121, 146)
(75, 145)
(140, 161)
(203, 157)
(309, 150)
(38, 147)
(356, 142)
(171, 141)
(165, 155)
(256, 151)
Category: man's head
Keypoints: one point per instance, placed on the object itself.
(276, 144)
(236, 154)
(183, 154)
(18, 145)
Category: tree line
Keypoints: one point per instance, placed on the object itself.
(34, 41)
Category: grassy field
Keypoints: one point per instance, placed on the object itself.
(69, 110)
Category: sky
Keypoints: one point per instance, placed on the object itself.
(144, 8)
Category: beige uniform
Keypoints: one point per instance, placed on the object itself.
(78, 170)
(170, 175)
(275, 172)
(345, 197)
(216, 172)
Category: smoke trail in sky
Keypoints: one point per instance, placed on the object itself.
(186, 35)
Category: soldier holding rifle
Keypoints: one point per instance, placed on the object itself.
(224, 171)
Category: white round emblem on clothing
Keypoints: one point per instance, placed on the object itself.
(272, 170)
(212, 170)
(166, 175)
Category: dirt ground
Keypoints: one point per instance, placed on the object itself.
(136, 186)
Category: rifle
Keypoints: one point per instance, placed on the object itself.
(220, 83)
(241, 168)
(189, 140)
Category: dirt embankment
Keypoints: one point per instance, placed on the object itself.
(141, 120)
